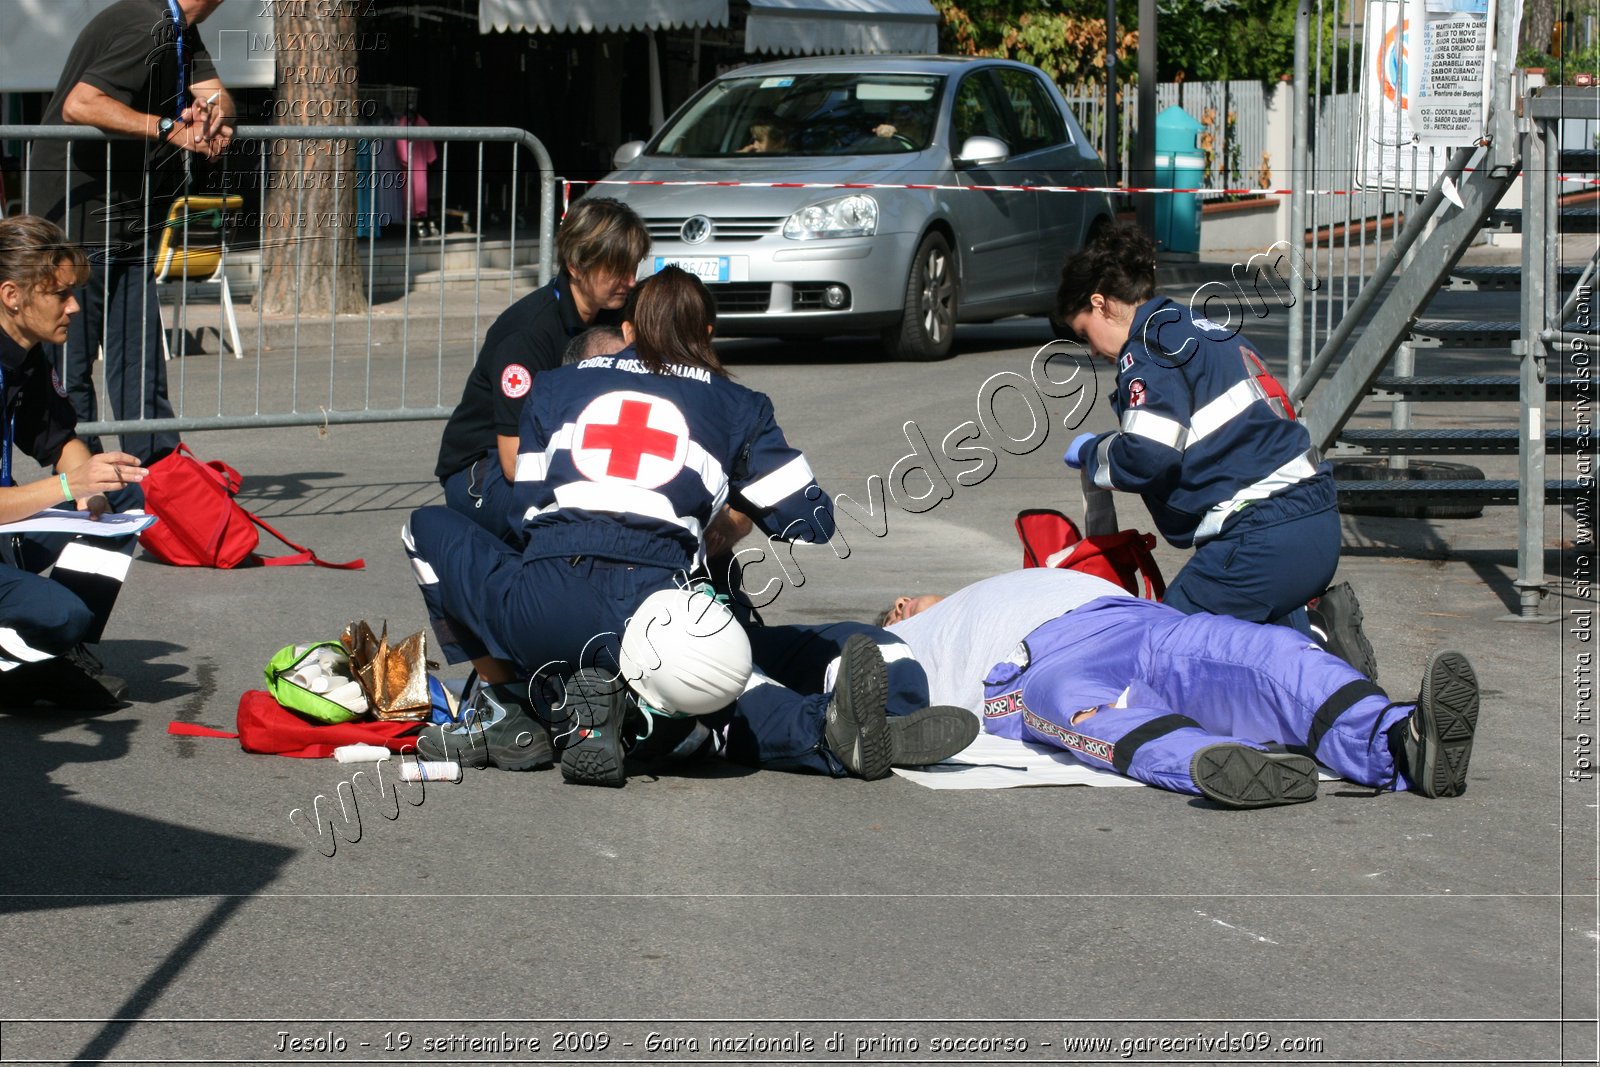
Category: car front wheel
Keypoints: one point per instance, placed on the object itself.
(928, 321)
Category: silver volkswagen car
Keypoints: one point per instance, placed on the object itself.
(849, 195)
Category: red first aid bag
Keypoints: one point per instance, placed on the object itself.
(1277, 395)
(268, 727)
(1051, 539)
(202, 525)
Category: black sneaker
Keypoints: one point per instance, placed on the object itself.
(593, 748)
(930, 735)
(1335, 618)
(73, 680)
(857, 730)
(494, 727)
(1238, 776)
(1434, 743)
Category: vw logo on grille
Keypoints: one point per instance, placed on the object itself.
(695, 230)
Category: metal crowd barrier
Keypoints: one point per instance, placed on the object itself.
(431, 290)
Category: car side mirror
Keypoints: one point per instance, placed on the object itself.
(626, 153)
(982, 152)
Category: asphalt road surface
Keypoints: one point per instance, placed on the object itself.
(162, 906)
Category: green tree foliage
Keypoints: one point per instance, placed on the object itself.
(1066, 41)
(1198, 40)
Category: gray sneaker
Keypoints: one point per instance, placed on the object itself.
(494, 727)
(856, 730)
(1238, 776)
(1436, 739)
(930, 735)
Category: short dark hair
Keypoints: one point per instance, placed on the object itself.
(604, 233)
(1119, 262)
(595, 341)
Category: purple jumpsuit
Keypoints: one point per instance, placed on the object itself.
(1190, 681)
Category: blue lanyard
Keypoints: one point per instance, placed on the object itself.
(177, 21)
(6, 433)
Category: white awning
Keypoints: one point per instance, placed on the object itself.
(820, 27)
(39, 34)
(562, 16)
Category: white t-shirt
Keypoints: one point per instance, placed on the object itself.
(960, 638)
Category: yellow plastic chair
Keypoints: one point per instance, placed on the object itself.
(193, 241)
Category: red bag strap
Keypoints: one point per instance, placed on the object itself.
(302, 554)
(190, 729)
(1155, 587)
(1124, 546)
(230, 478)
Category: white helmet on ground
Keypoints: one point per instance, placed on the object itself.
(684, 653)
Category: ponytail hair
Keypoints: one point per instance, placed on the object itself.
(673, 315)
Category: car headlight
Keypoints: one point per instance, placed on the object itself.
(848, 216)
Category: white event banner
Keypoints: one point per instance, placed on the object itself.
(1425, 86)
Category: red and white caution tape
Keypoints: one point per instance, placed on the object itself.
(1109, 189)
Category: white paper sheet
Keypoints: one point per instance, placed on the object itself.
(993, 762)
(61, 520)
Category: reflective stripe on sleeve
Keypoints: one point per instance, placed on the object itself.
(531, 466)
(710, 471)
(787, 480)
(1102, 462)
(1152, 427)
(1224, 408)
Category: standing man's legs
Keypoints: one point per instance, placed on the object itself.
(136, 373)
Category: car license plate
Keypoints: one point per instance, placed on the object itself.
(706, 268)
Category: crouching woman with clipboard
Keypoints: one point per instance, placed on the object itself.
(47, 622)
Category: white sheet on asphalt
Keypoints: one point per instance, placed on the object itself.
(993, 762)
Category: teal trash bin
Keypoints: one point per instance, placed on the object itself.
(1179, 164)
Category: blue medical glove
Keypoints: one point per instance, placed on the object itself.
(1075, 451)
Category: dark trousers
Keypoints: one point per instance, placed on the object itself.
(43, 616)
(1189, 682)
(778, 722)
(549, 616)
(121, 313)
(482, 494)
(1261, 573)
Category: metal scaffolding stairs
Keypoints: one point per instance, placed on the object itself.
(1375, 362)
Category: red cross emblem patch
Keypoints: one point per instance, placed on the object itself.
(515, 381)
(630, 437)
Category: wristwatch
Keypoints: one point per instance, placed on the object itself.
(165, 127)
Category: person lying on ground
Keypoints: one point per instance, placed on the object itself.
(1201, 704)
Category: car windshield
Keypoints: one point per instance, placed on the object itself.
(807, 115)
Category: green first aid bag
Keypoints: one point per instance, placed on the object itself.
(294, 671)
